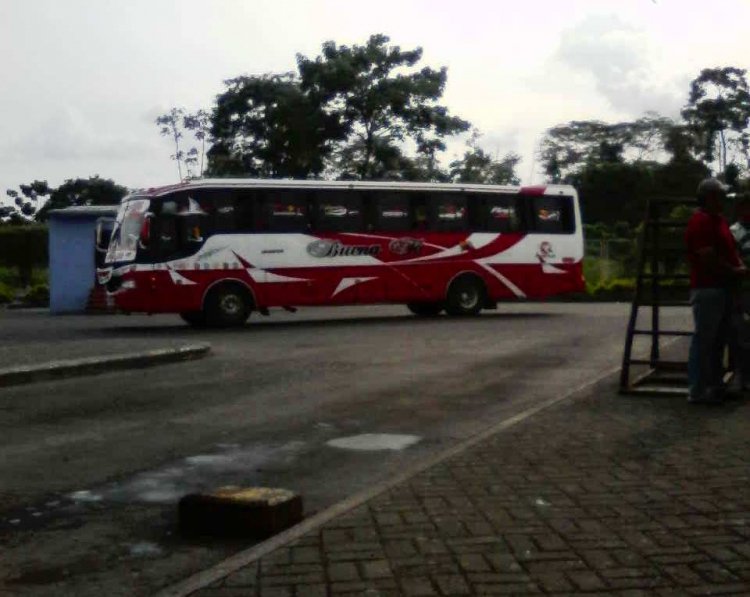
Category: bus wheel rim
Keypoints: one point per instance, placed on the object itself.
(231, 304)
(468, 299)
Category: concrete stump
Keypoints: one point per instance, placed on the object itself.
(240, 512)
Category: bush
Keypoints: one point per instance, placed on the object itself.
(38, 295)
(7, 294)
(617, 289)
(23, 248)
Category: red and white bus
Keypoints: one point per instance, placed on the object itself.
(216, 250)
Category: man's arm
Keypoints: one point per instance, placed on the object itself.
(710, 259)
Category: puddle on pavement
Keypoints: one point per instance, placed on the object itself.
(233, 465)
(166, 485)
(372, 442)
(144, 549)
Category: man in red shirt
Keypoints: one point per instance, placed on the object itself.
(715, 268)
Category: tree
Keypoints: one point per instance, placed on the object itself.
(568, 148)
(266, 126)
(199, 123)
(171, 126)
(22, 207)
(82, 191)
(718, 115)
(477, 166)
(380, 102)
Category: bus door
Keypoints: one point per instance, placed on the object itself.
(557, 246)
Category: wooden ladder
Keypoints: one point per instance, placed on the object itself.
(656, 287)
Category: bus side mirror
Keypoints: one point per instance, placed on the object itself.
(144, 238)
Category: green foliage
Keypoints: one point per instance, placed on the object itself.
(266, 126)
(567, 149)
(37, 295)
(613, 191)
(20, 208)
(7, 294)
(350, 113)
(23, 248)
(83, 191)
(381, 99)
(174, 124)
(718, 114)
(615, 289)
(477, 166)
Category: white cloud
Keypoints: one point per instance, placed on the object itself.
(618, 57)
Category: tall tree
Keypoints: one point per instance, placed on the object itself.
(568, 148)
(82, 191)
(22, 207)
(718, 114)
(478, 166)
(199, 123)
(381, 102)
(267, 126)
(171, 125)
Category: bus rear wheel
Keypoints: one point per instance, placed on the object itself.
(466, 296)
(228, 305)
(195, 318)
(425, 309)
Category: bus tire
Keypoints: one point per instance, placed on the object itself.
(466, 296)
(195, 318)
(425, 309)
(227, 305)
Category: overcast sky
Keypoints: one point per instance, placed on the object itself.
(83, 80)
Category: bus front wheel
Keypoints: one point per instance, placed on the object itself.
(425, 309)
(466, 296)
(228, 305)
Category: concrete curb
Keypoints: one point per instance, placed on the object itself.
(202, 579)
(94, 365)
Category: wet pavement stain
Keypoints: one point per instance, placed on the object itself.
(374, 442)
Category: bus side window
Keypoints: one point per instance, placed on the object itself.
(338, 211)
(449, 212)
(391, 211)
(420, 216)
(246, 210)
(503, 213)
(224, 212)
(288, 210)
(553, 215)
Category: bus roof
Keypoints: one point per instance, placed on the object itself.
(254, 183)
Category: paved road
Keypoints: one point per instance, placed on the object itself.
(92, 468)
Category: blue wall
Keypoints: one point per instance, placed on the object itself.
(72, 270)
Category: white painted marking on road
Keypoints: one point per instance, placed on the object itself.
(370, 442)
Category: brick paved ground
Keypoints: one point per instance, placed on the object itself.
(607, 494)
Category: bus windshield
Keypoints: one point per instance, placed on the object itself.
(126, 233)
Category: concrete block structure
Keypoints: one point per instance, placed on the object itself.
(72, 256)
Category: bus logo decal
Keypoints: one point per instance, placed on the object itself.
(405, 246)
(333, 248)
